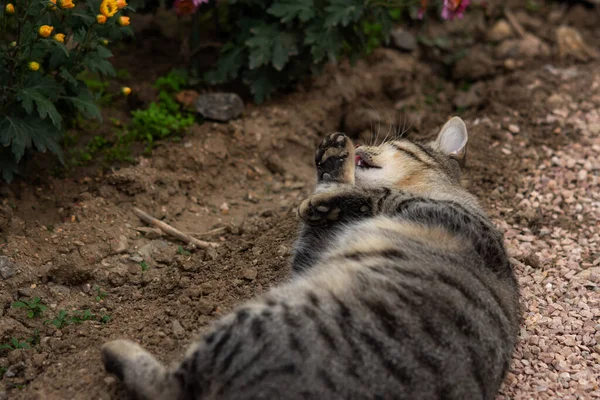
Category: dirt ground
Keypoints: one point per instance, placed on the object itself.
(533, 114)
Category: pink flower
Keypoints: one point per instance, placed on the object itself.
(187, 7)
(422, 9)
(454, 8)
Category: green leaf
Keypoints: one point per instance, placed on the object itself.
(86, 105)
(66, 75)
(262, 83)
(269, 45)
(287, 10)
(323, 42)
(343, 12)
(20, 133)
(18, 304)
(96, 61)
(284, 46)
(8, 166)
(41, 90)
(230, 61)
(44, 106)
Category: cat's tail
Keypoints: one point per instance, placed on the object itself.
(141, 373)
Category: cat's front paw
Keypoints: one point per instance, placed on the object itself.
(327, 207)
(335, 159)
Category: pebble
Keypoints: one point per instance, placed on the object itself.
(7, 268)
(403, 40)
(123, 244)
(514, 128)
(250, 274)
(178, 330)
(500, 31)
(220, 106)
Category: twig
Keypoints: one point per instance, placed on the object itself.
(209, 233)
(169, 230)
(514, 23)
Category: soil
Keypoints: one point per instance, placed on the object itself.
(74, 242)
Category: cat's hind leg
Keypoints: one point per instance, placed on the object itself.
(143, 375)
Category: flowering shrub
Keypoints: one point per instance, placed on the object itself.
(44, 46)
(272, 43)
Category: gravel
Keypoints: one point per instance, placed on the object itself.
(558, 266)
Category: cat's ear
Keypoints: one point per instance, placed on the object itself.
(452, 139)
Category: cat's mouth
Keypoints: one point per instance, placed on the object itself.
(362, 163)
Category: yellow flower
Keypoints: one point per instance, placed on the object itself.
(66, 3)
(34, 66)
(101, 19)
(59, 37)
(121, 4)
(52, 5)
(45, 30)
(123, 21)
(9, 9)
(104, 42)
(125, 90)
(108, 8)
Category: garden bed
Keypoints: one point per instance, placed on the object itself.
(534, 122)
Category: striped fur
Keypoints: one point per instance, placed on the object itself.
(402, 290)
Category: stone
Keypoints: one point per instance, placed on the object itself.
(150, 233)
(527, 48)
(571, 44)
(136, 258)
(178, 330)
(474, 66)
(500, 31)
(7, 268)
(123, 245)
(205, 307)
(146, 251)
(220, 106)
(69, 270)
(403, 40)
(250, 274)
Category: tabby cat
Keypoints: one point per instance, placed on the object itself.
(402, 289)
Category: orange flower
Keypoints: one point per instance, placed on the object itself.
(45, 30)
(121, 4)
(59, 37)
(9, 9)
(34, 66)
(123, 21)
(52, 5)
(65, 4)
(125, 90)
(108, 8)
(101, 19)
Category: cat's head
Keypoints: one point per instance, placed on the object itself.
(412, 166)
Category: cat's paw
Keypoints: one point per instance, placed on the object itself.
(335, 159)
(327, 207)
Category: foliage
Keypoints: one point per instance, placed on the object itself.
(182, 251)
(15, 344)
(145, 266)
(164, 117)
(273, 43)
(100, 294)
(64, 318)
(35, 307)
(45, 46)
